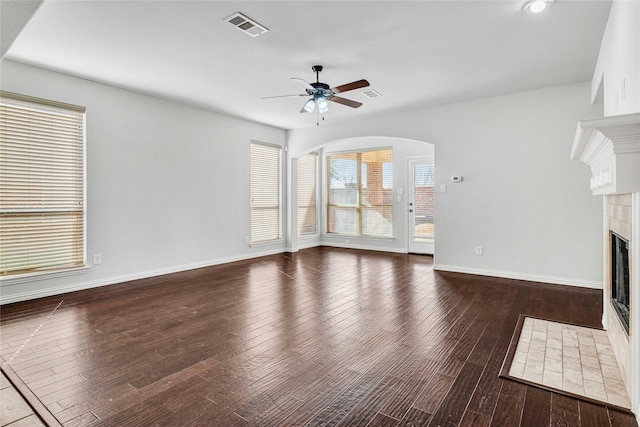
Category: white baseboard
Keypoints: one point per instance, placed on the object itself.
(363, 247)
(520, 276)
(41, 293)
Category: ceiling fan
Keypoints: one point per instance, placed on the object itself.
(320, 93)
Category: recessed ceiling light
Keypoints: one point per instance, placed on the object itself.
(537, 6)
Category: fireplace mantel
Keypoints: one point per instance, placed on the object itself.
(611, 148)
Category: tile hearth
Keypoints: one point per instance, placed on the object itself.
(569, 358)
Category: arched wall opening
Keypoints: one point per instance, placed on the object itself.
(403, 149)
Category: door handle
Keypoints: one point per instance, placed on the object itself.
(410, 210)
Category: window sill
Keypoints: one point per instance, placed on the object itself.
(354, 237)
(44, 275)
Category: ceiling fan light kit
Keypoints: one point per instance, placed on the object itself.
(321, 93)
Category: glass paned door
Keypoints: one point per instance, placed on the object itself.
(421, 210)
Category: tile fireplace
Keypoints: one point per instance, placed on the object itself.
(611, 147)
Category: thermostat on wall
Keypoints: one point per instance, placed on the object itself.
(456, 178)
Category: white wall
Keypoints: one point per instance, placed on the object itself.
(618, 66)
(522, 198)
(167, 184)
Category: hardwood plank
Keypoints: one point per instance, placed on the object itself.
(511, 397)
(564, 411)
(537, 408)
(592, 415)
(452, 407)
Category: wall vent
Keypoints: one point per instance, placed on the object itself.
(246, 24)
(370, 93)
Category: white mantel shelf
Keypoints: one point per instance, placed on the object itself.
(611, 148)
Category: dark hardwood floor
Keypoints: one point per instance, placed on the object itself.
(322, 337)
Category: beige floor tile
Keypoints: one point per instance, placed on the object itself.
(535, 355)
(517, 369)
(539, 336)
(611, 373)
(30, 421)
(532, 376)
(4, 382)
(615, 387)
(554, 326)
(590, 361)
(595, 390)
(619, 400)
(12, 406)
(572, 352)
(554, 353)
(604, 348)
(571, 363)
(552, 379)
(554, 334)
(608, 360)
(588, 351)
(554, 365)
(520, 356)
(592, 374)
(554, 343)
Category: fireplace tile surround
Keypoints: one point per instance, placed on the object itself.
(610, 146)
(618, 218)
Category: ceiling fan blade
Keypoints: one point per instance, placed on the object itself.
(304, 83)
(350, 86)
(284, 96)
(345, 101)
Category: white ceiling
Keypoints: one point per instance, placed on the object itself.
(415, 53)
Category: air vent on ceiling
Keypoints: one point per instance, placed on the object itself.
(246, 25)
(370, 93)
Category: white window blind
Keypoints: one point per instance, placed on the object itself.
(42, 211)
(265, 193)
(307, 194)
(360, 198)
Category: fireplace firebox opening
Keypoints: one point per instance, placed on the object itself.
(620, 298)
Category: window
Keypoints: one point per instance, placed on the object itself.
(265, 193)
(307, 195)
(42, 191)
(360, 198)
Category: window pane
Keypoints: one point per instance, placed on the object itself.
(342, 220)
(376, 221)
(41, 185)
(307, 196)
(357, 181)
(424, 207)
(265, 193)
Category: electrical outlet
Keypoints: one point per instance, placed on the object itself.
(246, 239)
(97, 259)
(478, 250)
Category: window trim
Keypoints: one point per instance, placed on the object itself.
(44, 274)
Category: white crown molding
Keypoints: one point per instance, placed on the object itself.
(611, 148)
